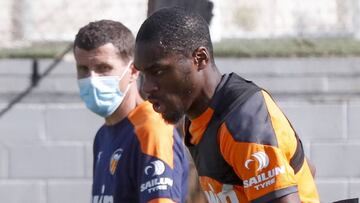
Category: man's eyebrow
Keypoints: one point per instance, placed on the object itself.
(150, 67)
(155, 65)
(102, 64)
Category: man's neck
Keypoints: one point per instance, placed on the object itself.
(202, 100)
(131, 100)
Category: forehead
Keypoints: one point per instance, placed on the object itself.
(104, 53)
(148, 54)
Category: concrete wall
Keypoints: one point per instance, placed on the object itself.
(26, 21)
(45, 141)
(274, 18)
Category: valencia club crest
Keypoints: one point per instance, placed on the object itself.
(115, 157)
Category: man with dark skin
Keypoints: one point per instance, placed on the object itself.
(244, 148)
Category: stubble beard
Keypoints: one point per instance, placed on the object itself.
(173, 117)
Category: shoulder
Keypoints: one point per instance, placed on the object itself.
(250, 122)
(99, 134)
(155, 136)
(148, 123)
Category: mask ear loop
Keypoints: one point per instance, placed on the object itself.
(123, 74)
(123, 94)
(127, 89)
(125, 71)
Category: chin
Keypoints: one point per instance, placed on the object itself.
(173, 118)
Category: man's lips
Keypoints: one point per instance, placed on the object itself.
(157, 106)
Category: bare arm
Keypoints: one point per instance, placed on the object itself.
(312, 167)
(290, 198)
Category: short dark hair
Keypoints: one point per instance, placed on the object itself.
(177, 30)
(99, 33)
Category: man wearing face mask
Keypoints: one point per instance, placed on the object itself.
(138, 157)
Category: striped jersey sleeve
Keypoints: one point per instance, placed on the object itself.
(258, 142)
(163, 166)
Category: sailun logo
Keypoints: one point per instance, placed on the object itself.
(155, 168)
(157, 182)
(262, 159)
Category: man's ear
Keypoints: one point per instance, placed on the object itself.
(201, 57)
(134, 73)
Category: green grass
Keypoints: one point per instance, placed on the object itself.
(37, 50)
(291, 47)
(283, 47)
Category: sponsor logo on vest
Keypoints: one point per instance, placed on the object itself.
(265, 179)
(103, 198)
(156, 168)
(224, 196)
(157, 184)
(262, 159)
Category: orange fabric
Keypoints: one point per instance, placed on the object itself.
(277, 174)
(199, 125)
(259, 178)
(214, 189)
(284, 133)
(287, 142)
(161, 200)
(153, 142)
(307, 181)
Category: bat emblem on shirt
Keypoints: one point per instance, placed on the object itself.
(260, 157)
(115, 157)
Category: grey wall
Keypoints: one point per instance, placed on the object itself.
(45, 141)
(26, 21)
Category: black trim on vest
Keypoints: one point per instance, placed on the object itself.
(251, 122)
(226, 99)
(297, 160)
(210, 162)
(276, 194)
(231, 92)
(206, 154)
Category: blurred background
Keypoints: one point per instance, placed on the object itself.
(305, 52)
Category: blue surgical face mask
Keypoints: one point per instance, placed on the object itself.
(101, 94)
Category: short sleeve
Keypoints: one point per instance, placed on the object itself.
(249, 143)
(163, 167)
(161, 160)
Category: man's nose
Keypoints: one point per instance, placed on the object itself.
(93, 73)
